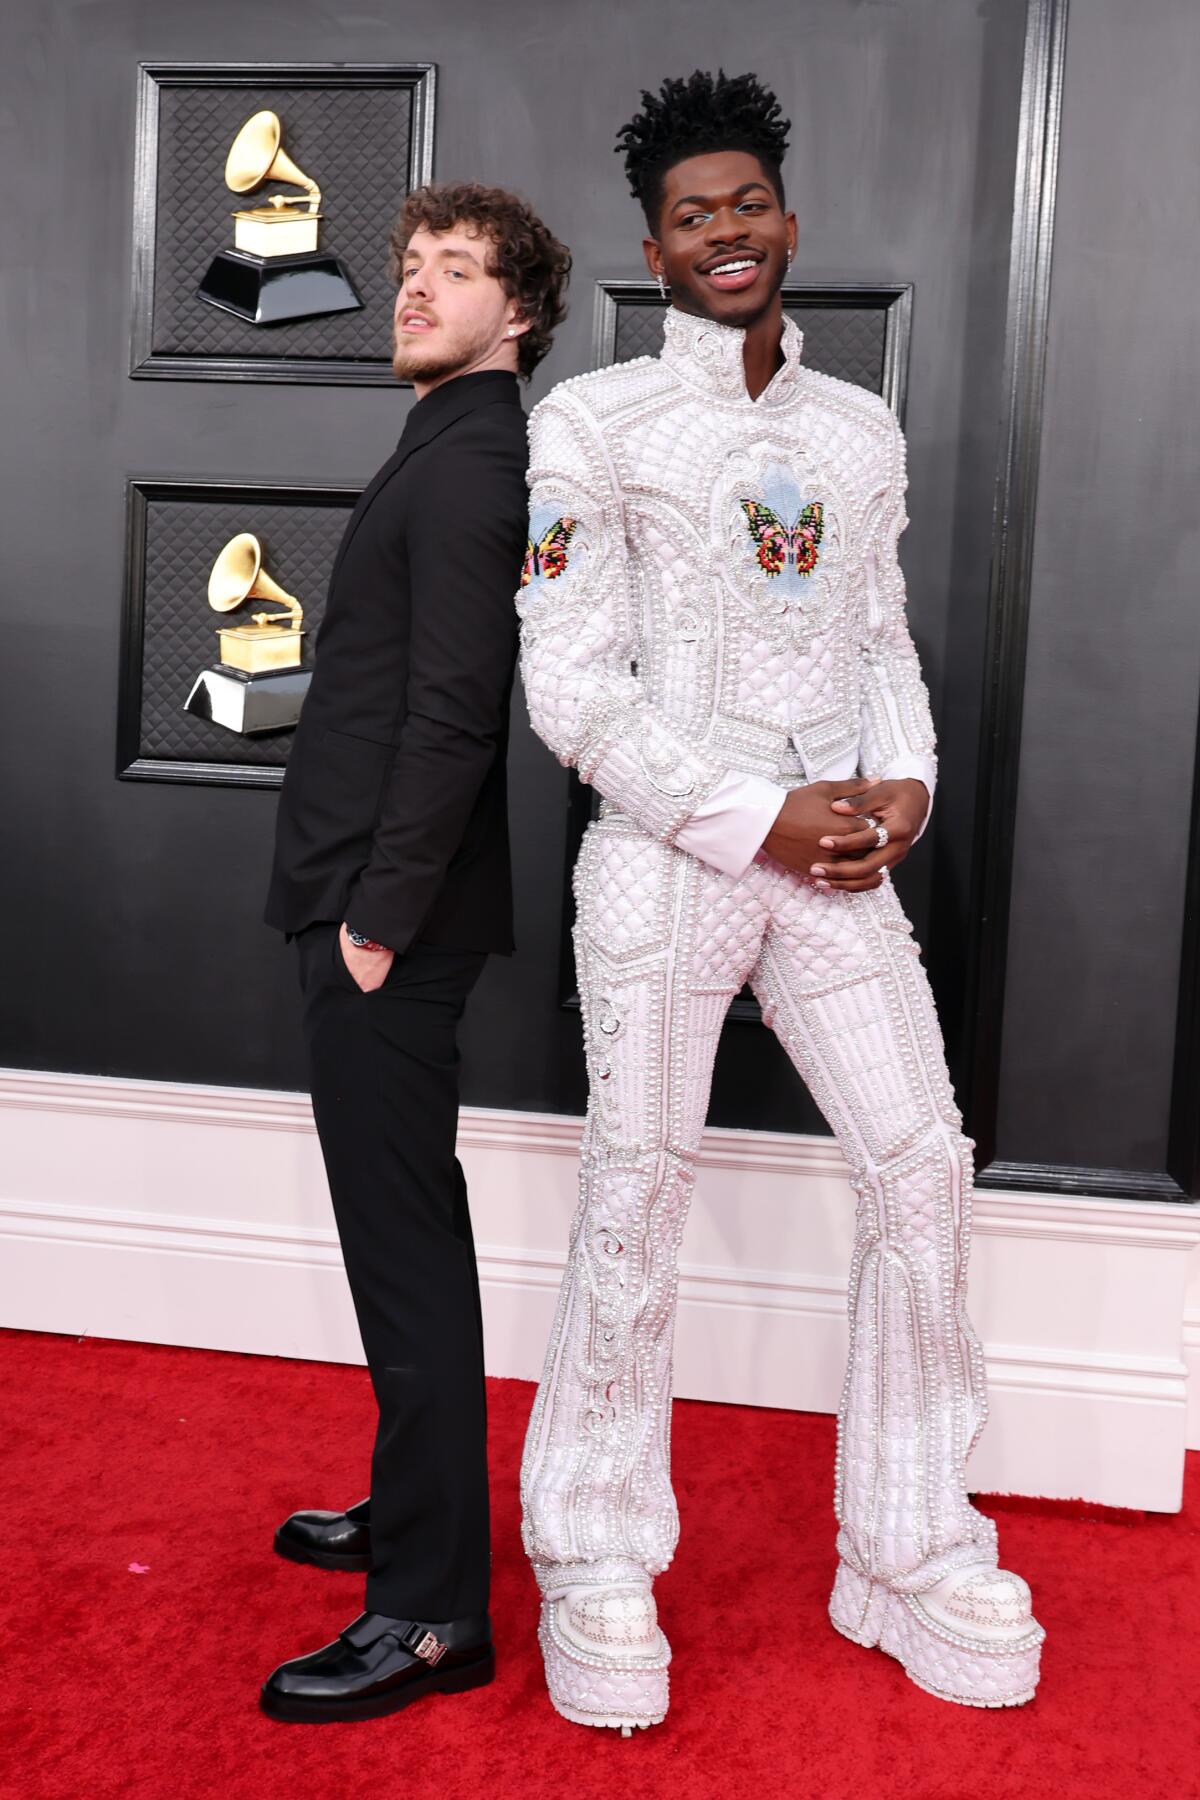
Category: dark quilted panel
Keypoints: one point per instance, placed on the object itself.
(639, 329)
(183, 538)
(352, 140)
(846, 341)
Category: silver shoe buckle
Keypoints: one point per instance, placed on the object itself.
(430, 1650)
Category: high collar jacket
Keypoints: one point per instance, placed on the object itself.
(393, 814)
(712, 603)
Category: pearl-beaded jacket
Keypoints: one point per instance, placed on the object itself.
(712, 605)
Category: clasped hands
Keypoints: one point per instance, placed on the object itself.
(819, 831)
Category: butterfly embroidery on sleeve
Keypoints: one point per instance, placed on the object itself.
(778, 544)
(547, 555)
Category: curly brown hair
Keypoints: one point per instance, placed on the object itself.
(526, 258)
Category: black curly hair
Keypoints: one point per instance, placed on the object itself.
(697, 115)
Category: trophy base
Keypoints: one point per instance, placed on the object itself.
(251, 705)
(270, 290)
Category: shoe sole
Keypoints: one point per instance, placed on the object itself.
(946, 1664)
(319, 1712)
(321, 1559)
(622, 1693)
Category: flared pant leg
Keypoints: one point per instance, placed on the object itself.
(663, 943)
(841, 982)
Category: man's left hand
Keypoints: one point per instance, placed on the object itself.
(856, 861)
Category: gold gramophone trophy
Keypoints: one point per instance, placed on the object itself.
(274, 271)
(258, 686)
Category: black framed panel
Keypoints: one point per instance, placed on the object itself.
(363, 132)
(1180, 1179)
(1007, 638)
(1183, 1135)
(857, 332)
(1011, 570)
(174, 532)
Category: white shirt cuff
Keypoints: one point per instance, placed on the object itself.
(913, 768)
(728, 829)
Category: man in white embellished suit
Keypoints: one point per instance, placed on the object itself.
(713, 634)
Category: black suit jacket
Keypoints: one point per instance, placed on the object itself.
(393, 813)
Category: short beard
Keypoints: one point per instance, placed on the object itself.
(420, 362)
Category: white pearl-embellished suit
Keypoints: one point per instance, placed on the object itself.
(713, 612)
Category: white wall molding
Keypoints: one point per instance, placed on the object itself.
(161, 1102)
(198, 1215)
(1191, 1354)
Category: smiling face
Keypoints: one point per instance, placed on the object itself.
(724, 240)
(452, 316)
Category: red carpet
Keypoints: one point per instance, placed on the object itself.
(143, 1686)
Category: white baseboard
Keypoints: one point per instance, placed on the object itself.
(1191, 1354)
(198, 1215)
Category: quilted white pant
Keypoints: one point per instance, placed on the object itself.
(663, 943)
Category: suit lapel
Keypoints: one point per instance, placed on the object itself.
(379, 480)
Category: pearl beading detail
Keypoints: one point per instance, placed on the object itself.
(661, 657)
(655, 663)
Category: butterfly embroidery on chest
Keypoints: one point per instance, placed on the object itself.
(547, 555)
(779, 546)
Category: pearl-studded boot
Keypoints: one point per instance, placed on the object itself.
(972, 1638)
(606, 1659)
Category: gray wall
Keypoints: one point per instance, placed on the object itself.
(1113, 667)
(133, 909)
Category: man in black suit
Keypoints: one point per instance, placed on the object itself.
(392, 874)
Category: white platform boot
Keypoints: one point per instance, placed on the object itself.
(972, 1638)
(606, 1659)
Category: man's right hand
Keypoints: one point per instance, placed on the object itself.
(806, 817)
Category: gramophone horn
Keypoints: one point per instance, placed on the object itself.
(256, 156)
(238, 575)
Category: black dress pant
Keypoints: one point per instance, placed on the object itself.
(384, 1073)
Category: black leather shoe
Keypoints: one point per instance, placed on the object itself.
(377, 1665)
(328, 1539)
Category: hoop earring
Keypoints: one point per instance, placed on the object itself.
(662, 287)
